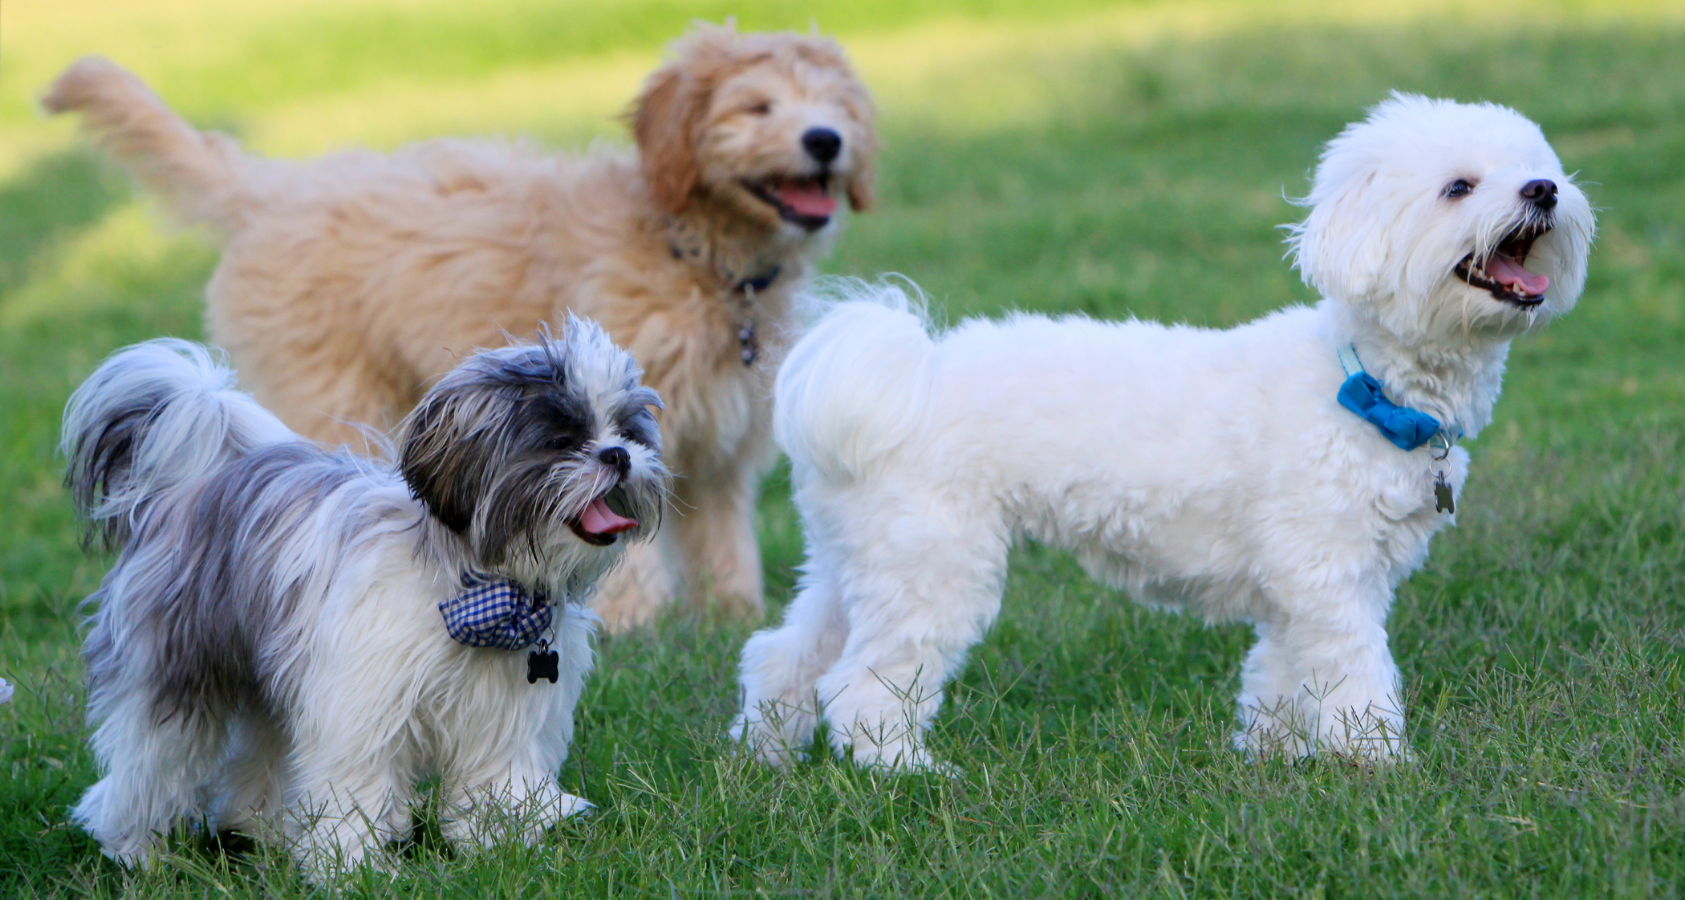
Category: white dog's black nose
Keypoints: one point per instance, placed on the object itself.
(1540, 192)
(822, 144)
(616, 457)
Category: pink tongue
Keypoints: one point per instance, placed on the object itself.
(599, 519)
(807, 199)
(1508, 272)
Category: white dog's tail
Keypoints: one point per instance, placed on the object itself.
(202, 177)
(152, 419)
(857, 386)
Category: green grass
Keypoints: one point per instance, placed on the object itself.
(1116, 160)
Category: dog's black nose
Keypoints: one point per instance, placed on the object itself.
(822, 144)
(1540, 192)
(616, 457)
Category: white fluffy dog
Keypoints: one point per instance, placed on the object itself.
(290, 637)
(1255, 474)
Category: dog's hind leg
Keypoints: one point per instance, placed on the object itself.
(920, 593)
(713, 527)
(155, 764)
(325, 382)
(780, 666)
(248, 791)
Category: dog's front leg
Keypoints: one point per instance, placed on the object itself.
(343, 806)
(1323, 680)
(644, 584)
(714, 530)
(511, 739)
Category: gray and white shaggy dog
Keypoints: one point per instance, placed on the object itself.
(268, 651)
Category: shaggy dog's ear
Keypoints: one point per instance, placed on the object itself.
(860, 196)
(664, 123)
(1344, 248)
(439, 463)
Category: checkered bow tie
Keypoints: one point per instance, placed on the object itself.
(497, 614)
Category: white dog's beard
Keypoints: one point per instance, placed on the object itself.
(1502, 272)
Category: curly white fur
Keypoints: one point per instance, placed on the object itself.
(1208, 471)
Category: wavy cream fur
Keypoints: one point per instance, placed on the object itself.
(1208, 471)
(348, 283)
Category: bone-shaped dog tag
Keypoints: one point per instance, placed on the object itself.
(1442, 499)
(542, 663)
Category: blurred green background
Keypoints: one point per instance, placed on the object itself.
(1112, 158)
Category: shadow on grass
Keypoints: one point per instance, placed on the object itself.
(57, 195)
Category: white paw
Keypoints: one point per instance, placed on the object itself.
(901, 757)
(763, 743)
(566, 806)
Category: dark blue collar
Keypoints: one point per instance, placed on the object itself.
(1407, 428)
(747, 285)
(756, 285)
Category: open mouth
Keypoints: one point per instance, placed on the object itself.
(1502, 273)
(598, 524)
(805, 202)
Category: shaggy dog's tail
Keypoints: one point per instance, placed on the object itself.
(202, 177)
(154, 419)
(857, 386)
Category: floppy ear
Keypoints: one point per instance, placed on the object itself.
(439, 463)
(664, 126)
(1344, 248)
(860, 196)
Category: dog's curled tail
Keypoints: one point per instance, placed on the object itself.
(153, 419)
(202, 177)
(857, 386)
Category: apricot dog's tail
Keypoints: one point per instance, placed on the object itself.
(858, 385)
(202, 177)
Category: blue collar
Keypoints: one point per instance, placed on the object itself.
(745, 286)
(1407, 428)
(756, 285)
(496, 613)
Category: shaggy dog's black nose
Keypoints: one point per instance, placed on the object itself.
(618, 458)
(1540, 192)
(822, 144)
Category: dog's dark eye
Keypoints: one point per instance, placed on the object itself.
(1459, 188)
(759, 109)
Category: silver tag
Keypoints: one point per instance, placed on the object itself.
(1442, 499)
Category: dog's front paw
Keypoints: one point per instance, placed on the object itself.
(326, 864)
(900, 757)
(1369, 738)
(566, 806)
(519, 811)
(766, 738)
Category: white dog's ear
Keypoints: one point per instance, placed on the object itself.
(1344, 245)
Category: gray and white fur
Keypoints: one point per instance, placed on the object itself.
(267, 652)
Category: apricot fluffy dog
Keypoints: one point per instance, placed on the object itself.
(349, 283)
